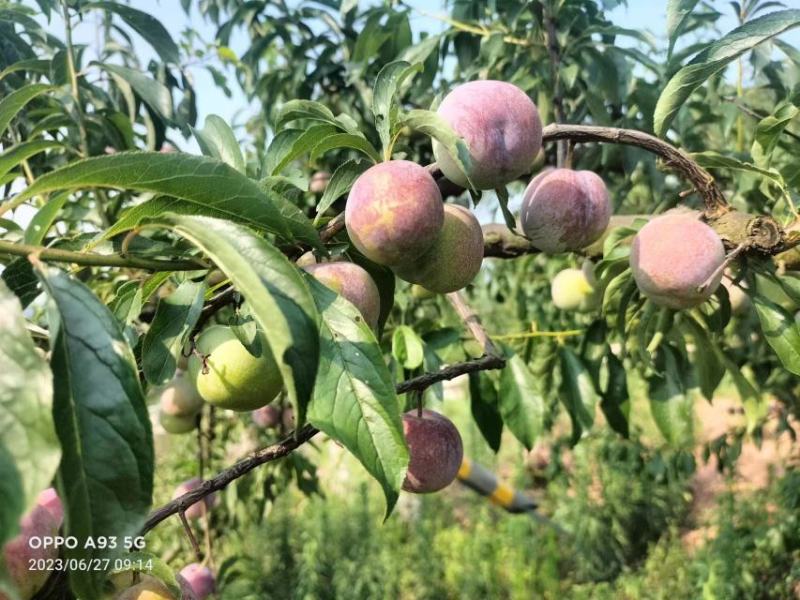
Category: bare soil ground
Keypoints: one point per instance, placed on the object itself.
(755, 468)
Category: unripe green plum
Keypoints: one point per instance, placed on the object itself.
(354, 284)
(234, 378)
(435, 451)
(200, 580)
(501, 127)
(394, 212)
(179, 398)
(195, 511)
(564, 210)
(573, 289)
(672, 256)
(177, 425)
(44, 520)
(455, 257)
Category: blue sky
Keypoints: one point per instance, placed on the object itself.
(645, 15)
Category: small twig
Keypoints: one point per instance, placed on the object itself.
(296, 439)
(190, 534)
(538, 334)
(473, 322)
(725, 264)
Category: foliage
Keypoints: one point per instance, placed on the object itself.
(154, 244)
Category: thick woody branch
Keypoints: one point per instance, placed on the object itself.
(701, 179)
(297, 439)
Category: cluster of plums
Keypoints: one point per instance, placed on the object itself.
(44, 520)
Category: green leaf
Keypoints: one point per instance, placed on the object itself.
(354, 398)
(43, 220)
(205, 182)
(431, 124)
(304, 109)
(153, 93)
(716, 57)
(340, 183)
(768, 132)
(12, 497)
(16, 154)
(779, 328)
(715, 160)
(615, 402)
(106, 473)
(216, 139)
(671, 402)
(484, 405)
(521, 404)
(756, 406)
(705, 360)
(346, 140)
(678, 13)
(306, 142)
(16, 101)
(176, 316)
(508, 216)
(384, 104)
(578, 392)
(26, 399)
(276, 292)
(407, 347)
(145, 25)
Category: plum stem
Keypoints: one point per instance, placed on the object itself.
(190, 534)
(724, 265)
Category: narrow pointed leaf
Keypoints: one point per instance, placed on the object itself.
(106, 472)
(716, 57)
(176, 316)
(202, 181)
(354, 397)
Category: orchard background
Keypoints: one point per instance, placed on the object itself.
(174, 169)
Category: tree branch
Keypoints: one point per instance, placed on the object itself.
(98, 260)
(296, 439)
(701, 179)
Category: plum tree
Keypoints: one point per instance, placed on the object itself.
(435, 451)
(564, 210)
(266, 416)
(229, 376)
(501, 127)
(455, 257)
(200, 579)
(148, 588)
(676, 260)
(394, 212)
(179, 397)
(20, 558)
(195, 511)
(354, 284)
(574, 289)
